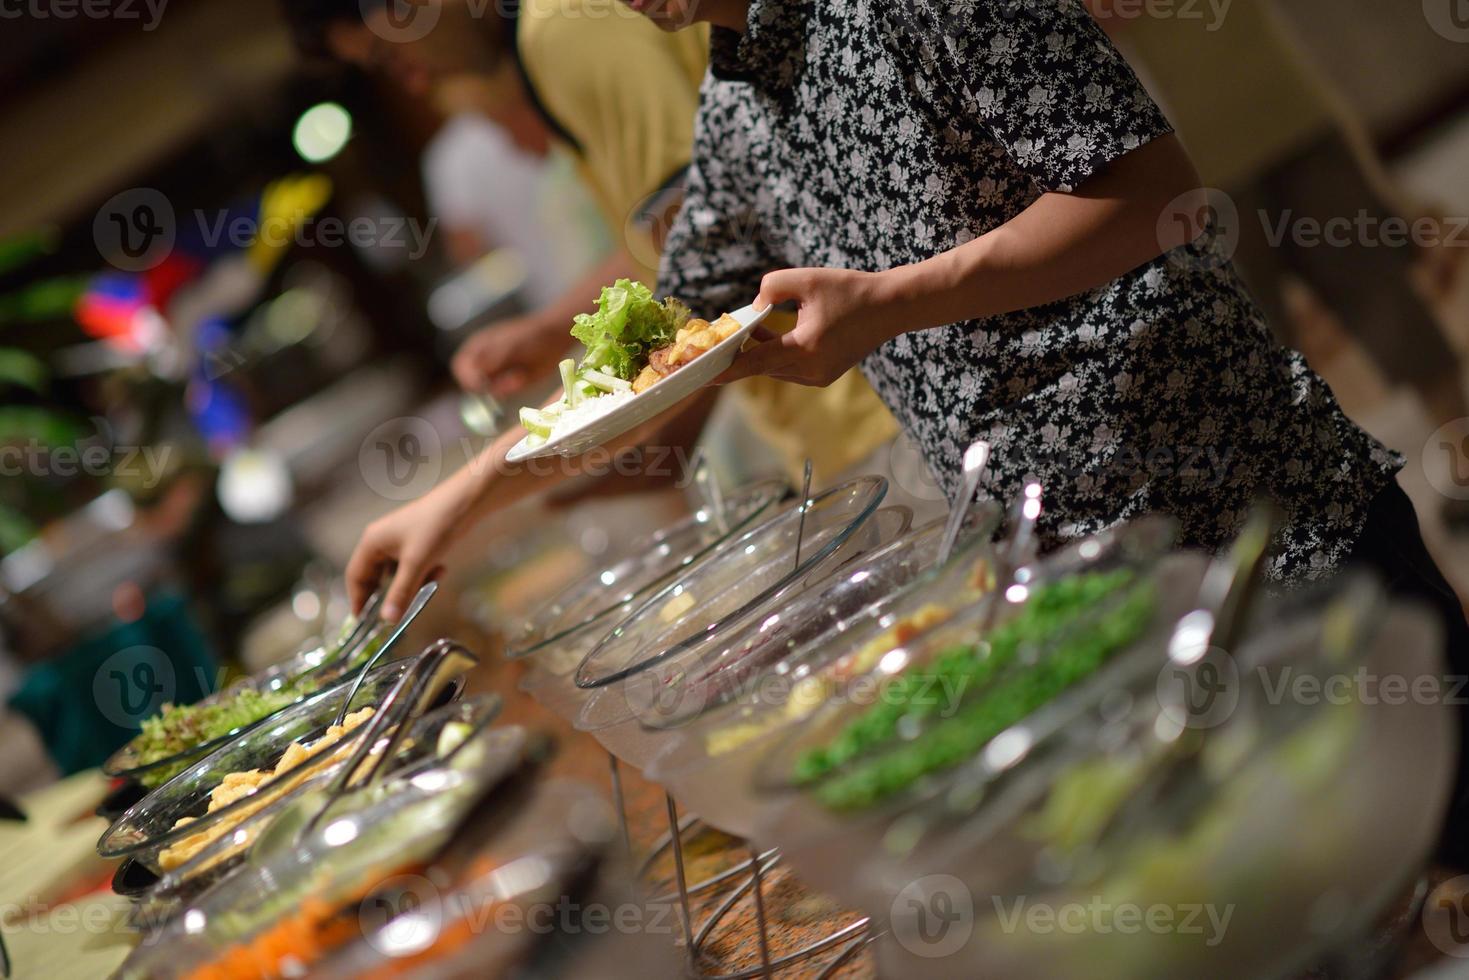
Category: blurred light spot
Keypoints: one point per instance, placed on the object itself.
(1190, 640)
(306, 605)
(1008, 748)
(322, 131)
(340, 832)
(254, 486)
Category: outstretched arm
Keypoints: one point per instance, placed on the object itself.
(1062, 245)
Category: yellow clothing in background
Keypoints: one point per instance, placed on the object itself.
(627, 94)
(838, 426)
(1235, 87)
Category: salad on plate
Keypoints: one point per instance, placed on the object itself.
(632, 342)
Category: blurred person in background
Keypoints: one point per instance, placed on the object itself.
(534, 207)
(1262, 125)
(593, 80)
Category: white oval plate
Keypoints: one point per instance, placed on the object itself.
(645, 405)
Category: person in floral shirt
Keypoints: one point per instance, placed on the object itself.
(977, 202)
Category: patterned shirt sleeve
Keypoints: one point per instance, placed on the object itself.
(715, 255)
(1044, 81)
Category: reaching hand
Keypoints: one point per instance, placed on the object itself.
(411, 541)
(506, 357)
(841, 319)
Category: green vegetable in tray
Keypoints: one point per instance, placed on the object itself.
(179, 728)
(1002, 689)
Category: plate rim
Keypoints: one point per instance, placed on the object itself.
(520, 453)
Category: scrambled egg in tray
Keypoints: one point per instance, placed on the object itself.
(288, 773)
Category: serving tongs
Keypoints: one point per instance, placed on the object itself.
(409, 698)
(414, 608)
(368, 621)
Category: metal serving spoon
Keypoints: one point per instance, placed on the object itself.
(414, 608)
(976, 458)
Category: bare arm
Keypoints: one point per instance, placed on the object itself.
(1062, 245)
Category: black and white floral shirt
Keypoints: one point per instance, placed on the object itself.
(868, 134)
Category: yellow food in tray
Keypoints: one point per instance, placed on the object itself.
(288, 773)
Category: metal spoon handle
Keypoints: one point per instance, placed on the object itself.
(1231, 584)
(805, 506)
(1011, 554)
(709, 489)
(414, 608)
(976, 458)
(366, 621)
(407, 699)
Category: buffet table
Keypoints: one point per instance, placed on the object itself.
(876, 723)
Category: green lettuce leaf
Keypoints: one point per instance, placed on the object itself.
(628, 326)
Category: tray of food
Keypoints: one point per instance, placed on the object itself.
(441, 738)
(844, 777)
(180, 734)
(725, 727)
(1284, 825)
(265, 763)
(727, 705)
(389, 882)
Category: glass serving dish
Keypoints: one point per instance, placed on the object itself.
(642, 567)
(541, 857)
(437, 739)
(296, 676)
(726, 729)
(757, 564)
(614, 713)
(729, 705)
(151, 824)
(347, 874)
(1288, 822)
(886, 541)
(895, 738)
